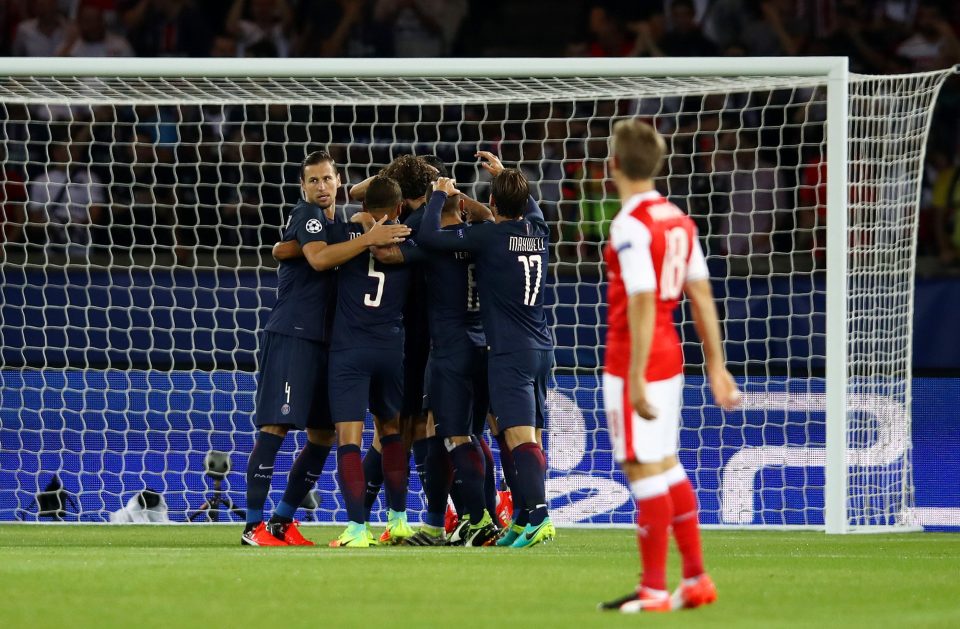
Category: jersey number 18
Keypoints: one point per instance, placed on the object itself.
(674, 269)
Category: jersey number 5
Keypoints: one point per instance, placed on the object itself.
(374, 302)
(674, 269)
(530, 290)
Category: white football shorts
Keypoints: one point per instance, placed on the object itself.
(638, 439)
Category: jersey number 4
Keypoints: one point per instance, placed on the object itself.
(531, 289)
(674, 269)
(374, 300)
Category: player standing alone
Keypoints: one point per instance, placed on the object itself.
(653, 256)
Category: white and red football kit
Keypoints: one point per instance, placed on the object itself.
(653, 247)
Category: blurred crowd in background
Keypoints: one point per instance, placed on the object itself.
(194, 178)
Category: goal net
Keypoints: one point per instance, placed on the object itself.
(141, 202)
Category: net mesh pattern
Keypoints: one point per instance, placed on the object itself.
(139, 214)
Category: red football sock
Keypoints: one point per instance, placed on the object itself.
(653, 536)
(396, 466)
(686, 528)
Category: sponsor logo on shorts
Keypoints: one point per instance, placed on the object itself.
(285, 409)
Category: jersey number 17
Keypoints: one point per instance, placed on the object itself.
(531, 289)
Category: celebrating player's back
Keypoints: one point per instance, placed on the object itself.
(653, 256)
(511, 262)
(366, 370)
(458, 386)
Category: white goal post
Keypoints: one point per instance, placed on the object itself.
(129, 349)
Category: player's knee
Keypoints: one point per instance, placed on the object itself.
(420, 428)
(519, 435)
(321, 436)
(350, 433)
(275, 429)
(387, 427)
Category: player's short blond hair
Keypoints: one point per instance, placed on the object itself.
(639, 149)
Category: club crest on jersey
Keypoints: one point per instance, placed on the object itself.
(314, 226)
(285, 409)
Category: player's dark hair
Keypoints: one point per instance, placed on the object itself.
(411, 173)
(382, 194)
(639, 149)
(510, 190)
(314, 158)
(450, 205)
(436, 162)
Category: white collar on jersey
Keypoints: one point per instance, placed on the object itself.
(635, 200)
(640, 197)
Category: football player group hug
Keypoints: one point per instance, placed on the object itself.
(427, 308)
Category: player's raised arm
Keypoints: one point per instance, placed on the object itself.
(475, 211)
(430, 235)
(490, 162)
(358, 191)
(532, 210)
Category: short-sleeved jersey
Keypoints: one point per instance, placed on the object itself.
(653, 247)
(453, 302)
(305, 297)
(371, 296)
(511, 264)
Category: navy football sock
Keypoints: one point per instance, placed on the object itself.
(373, 472)
(489, 477)
(531, 472)
(455, 497)
(468, 477)
(506, 462)
(395, 470)
(306, 469)
(350, 477)
(420, 448)
(437, 481)
(259, 474)
(510, 475)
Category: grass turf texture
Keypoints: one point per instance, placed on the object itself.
(119, 576)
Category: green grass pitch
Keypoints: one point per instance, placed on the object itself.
(199, 576)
